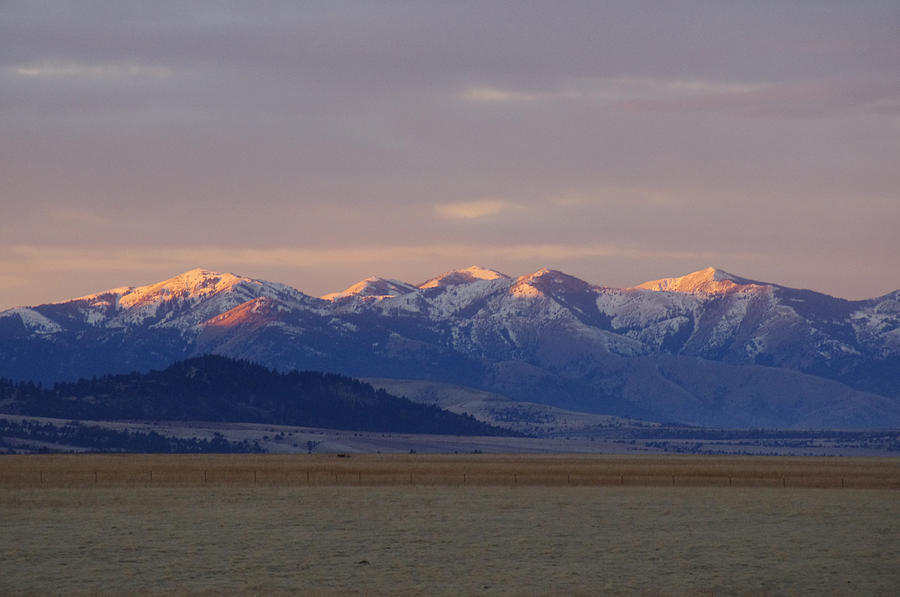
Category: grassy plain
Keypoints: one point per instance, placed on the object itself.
(468, 525)
(108, 470)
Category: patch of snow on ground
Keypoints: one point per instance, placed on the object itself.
(93, 316)
(37, 322)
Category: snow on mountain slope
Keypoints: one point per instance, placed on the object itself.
(708, 281)
(743, 318)
(504, 318)
(33, 320)
(877, 324)
(181, 302)
(548, 282)
(372, 288)
(656, 319)
(260, 309)
(723, 320)
(440, 297)
(447, 298)
(462, 276)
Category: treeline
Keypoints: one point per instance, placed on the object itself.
(34, 436)
(889, 439)
(219, 389)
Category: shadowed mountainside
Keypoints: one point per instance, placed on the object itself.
(215, 388)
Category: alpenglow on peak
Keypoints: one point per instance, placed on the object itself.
(463, 276)
(195, 282)
(373, 288)
(707, 281)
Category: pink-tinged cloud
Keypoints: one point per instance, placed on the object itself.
(475, 209)
(801, 99)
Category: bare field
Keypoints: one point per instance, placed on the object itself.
(440, 540)
(104, 470)
(448, 525)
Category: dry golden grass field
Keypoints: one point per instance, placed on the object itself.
(448, 525)
(180, 470)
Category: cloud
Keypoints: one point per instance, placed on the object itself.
(78, 217)
(113, 71)
(496, 95)
(794, 99)
(607, 196)
(608, 89)
(790, 99)
(471, 210)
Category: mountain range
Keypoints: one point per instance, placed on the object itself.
(708, 348)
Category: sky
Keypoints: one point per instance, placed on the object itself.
(317, 143)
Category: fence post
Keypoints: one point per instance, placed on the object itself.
(783, 482)
(673, 480)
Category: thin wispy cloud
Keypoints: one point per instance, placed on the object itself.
(808, 98)
(497, 95)
(606, 90)
(795, 99)
(616, 196)
(114, 71)
(476, 209)
(79, 217)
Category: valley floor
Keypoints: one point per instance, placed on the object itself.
(447, 540)
(610, 439)
(369, 470)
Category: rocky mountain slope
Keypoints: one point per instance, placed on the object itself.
(707, 348)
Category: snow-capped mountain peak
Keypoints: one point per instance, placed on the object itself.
(548, 282)
(372, 288)
(463, 276)
(705, 281)
(196, 283)
(181, 301)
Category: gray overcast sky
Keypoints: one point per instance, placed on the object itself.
(317, 143)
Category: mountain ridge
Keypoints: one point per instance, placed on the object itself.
(543, 337)
(709, 280)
